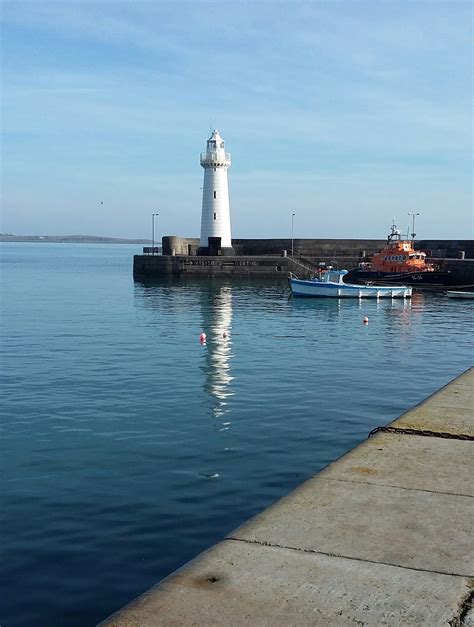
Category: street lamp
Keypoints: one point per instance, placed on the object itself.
(292, 224)
(153, 232)
(413, 225)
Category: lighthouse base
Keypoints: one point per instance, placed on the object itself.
(214, 249)
(208, 251)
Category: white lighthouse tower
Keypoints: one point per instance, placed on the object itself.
(215, 218)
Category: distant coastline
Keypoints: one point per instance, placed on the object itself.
(69, 239)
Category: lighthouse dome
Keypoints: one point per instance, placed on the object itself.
(215, 142)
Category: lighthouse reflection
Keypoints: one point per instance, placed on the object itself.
(217, 323)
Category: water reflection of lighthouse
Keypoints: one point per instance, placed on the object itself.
(217, 322)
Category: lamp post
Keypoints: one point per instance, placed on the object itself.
(413, 225)
(292, 224)
(153, 232)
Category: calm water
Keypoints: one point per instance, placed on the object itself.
(128, 446)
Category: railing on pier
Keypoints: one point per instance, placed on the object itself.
(150, 250)
(311, 270)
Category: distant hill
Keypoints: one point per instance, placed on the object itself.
(69, 239)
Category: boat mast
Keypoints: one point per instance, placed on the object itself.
(413, 226)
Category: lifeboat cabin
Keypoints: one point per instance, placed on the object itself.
(399, 256)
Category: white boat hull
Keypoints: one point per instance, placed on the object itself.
(452, 294)
(315, 289)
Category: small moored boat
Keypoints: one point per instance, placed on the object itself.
(458, 294)
(330, 283)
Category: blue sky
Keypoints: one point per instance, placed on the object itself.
(348, 113)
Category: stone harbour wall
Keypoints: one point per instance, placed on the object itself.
(327, 248)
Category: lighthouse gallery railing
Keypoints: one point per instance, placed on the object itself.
(214, 157)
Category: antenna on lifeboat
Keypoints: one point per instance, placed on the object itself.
(413, 234)
(393, 228)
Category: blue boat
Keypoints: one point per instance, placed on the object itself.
(330, 284)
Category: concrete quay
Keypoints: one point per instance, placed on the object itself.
(256, 267)
(260, 266)
(382, 536)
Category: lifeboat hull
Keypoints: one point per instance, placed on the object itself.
(421, 280)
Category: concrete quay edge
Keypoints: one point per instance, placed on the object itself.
(381, 536)
(450, 410)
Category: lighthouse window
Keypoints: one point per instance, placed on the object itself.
(215, 194)
(214, 216)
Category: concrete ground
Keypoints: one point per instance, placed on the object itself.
(382, 536)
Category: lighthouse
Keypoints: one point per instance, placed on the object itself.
(215, 217)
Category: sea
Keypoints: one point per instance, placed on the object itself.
(129, 445)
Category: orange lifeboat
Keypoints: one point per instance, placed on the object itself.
(398, 262)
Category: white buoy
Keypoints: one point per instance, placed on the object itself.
(202, 337)
(366, 320)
